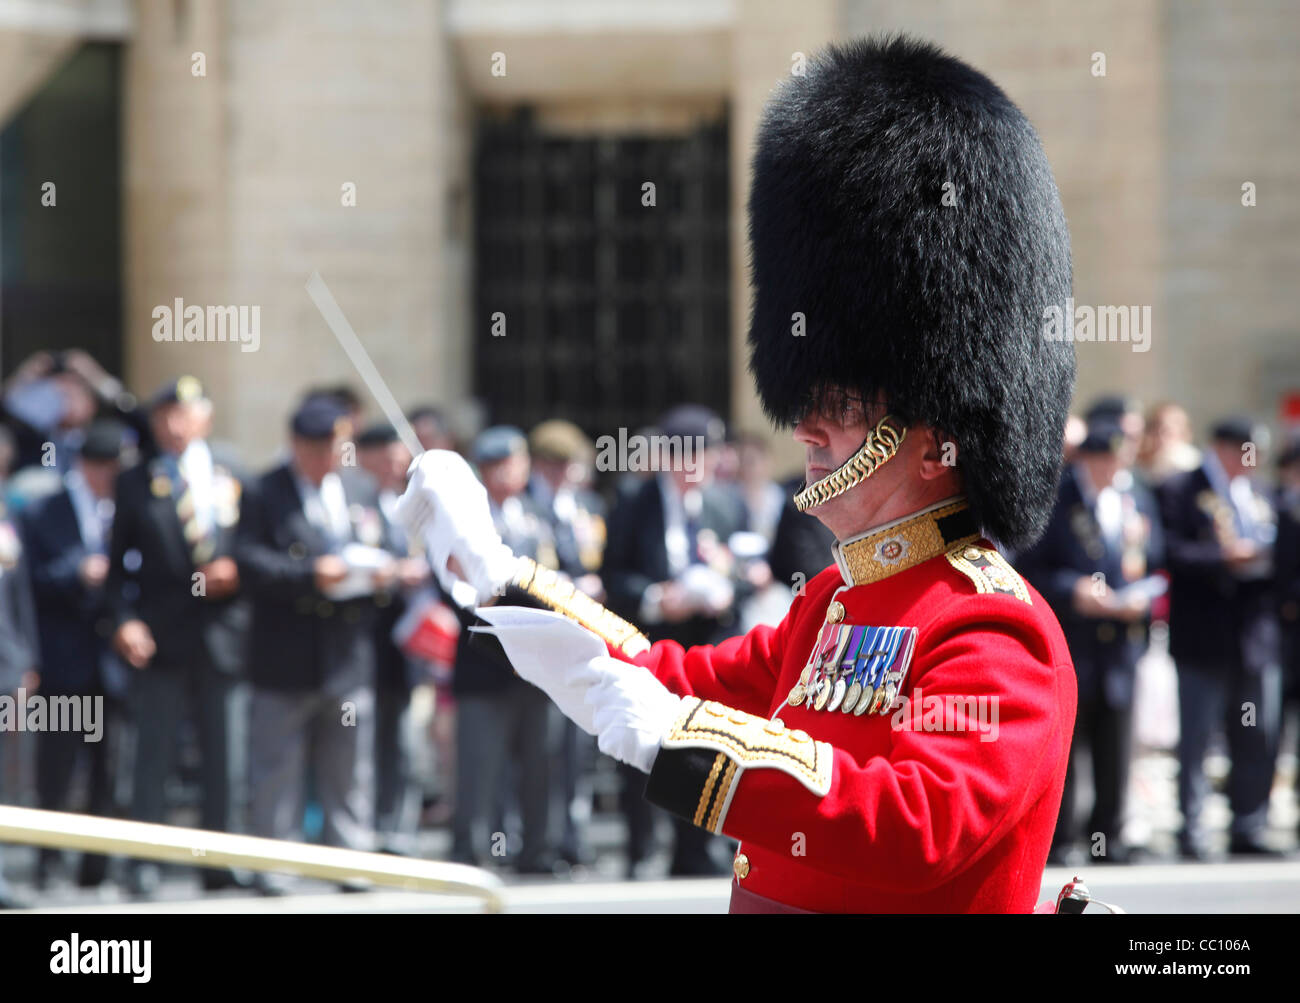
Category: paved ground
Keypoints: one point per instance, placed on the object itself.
(1159, 884)
(1155, 888)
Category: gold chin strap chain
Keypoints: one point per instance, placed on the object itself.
(881, 444)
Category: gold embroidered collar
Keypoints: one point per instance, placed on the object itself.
(904, 543)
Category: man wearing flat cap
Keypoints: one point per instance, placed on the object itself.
(1093, 565)
(181, 622)
(1220, 530)
(899, 742)
(312, 554)
(67, 537)
(661, 570)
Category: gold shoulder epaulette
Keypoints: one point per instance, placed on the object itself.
(561, 595)
(989, 571)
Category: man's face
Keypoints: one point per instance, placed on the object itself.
(100, 476)
(1102, 467)
(553, 471)
(432, 435)
(1173, 426)
(399, 462)
(696, 470)
(917, 475)
(505, 478)
(1231, 457)
(175, 426)
(371, 459)
(831, 434)
(1133, 425)
(78, 400)
(315, 458)
(387, 464)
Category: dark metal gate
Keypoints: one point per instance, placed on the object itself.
(613, 310)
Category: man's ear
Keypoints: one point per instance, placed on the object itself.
(939, 456)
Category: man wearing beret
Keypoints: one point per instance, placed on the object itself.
(1092, 565)
(502, 720)
(899, 742)
(181, 622)
(1220, 530)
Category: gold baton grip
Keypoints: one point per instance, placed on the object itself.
(561, 595)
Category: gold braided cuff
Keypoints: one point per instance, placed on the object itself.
(881, 444)
(561, 595)
(752, 742)
(708, 749)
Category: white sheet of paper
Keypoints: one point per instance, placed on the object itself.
(541, 634)
(1149, 588)
(554, 654)
(362, 562)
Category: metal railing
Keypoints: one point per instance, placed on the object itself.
(202, 848)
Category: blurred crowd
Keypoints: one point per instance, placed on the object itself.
(274, 639)
(268, 637)
(1158, 550)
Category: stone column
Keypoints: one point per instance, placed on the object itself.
(235, 194)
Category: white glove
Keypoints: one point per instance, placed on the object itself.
(558, 656)
(446, 506)
(633, 712)
(624, 705)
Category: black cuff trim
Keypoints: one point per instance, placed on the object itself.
(682, 778)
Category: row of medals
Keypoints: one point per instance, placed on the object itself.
(831, 691)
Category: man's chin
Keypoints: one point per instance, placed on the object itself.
(831, 515)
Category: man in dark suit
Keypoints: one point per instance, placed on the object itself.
(66, 536)
(174, 592)
(562, 459)
(1287, 559)
(311, 555)
(1223, 632)
(503, 724)
(1092, 566)
(665, 570)
(18, 651)
(384, 459)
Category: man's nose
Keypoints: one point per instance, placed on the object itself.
(810, 432)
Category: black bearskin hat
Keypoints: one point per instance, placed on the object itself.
(937, 308)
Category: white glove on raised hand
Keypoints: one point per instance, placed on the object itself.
(446, 506)
(633, 713)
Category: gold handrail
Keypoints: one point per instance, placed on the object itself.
(202, 848)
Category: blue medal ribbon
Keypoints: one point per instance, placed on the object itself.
(875, 648)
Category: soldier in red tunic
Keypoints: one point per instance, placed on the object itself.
(899, 742)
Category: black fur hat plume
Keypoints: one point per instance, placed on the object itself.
(938, 308)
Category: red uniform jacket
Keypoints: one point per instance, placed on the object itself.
(944, 800)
